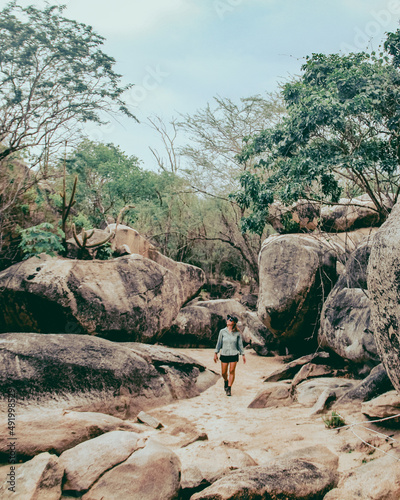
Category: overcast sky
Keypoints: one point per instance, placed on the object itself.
(181, 53)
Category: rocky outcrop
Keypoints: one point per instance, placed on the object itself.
(346, 327)
(376, 383)
(85, 463)
(376, 480)
(194, 326)
(289, 370)
(92, 374)
(212, 460)
(128, 298)
(48, 430)
(308, 392)
(128, 240)
(296, 272)
(285, 478)
(384, 406)
(149, 473)
(347, 215)
(39, 478)
(274, 396)
(384, 291)
(198, 325)
(257, 335)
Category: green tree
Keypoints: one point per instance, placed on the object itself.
(108, 180)
(53, 77)
(340, 136)
(216, 136)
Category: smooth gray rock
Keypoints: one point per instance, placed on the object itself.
(346, 326)
(289, 370)
(127, 298)
(148, 474)
(376, 383)
(315, 454)
(384, 406)
(376, 480)
(40, 478)
(87, 461)
(384, 291)
(93, 374)
(308, 392)
(274, 396)
(213, 460)
(296, 272)
(286, 478)
(45, 430)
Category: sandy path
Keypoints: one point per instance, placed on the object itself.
(263, 433)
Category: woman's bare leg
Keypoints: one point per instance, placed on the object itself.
(232, 368)
(224, 371)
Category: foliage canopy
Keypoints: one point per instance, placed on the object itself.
(340, 136)
(53, 76)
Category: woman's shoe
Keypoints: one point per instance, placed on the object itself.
(225, 385)
(228, 391)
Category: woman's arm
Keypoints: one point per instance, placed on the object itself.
(218, 346)
(241, 348)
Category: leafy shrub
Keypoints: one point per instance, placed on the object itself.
(42, 238)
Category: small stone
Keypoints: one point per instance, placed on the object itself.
(149, 420)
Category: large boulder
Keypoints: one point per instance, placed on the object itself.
(198, 325)
(308, 392)
(346, 326)
(56, 430)
(285, 478)
(194, 326)
(376, 480)
(384, 406)
(384, 293)
(376, 383)
(349, 214)
(296, 273)
(40, 478)
(257, 335)
(130, 298)
(150, 473)
(129, 240)
(87, 461)
(213, 460)
(91, 374)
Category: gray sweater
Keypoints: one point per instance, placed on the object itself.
(229, 343)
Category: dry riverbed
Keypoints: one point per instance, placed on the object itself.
(262, 433)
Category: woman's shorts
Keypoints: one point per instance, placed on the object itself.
(229, 359)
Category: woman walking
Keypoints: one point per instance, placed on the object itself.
(230, 344)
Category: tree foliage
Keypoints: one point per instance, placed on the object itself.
(53, 76)
(217, 134)
(340, 136)
(108, 180)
